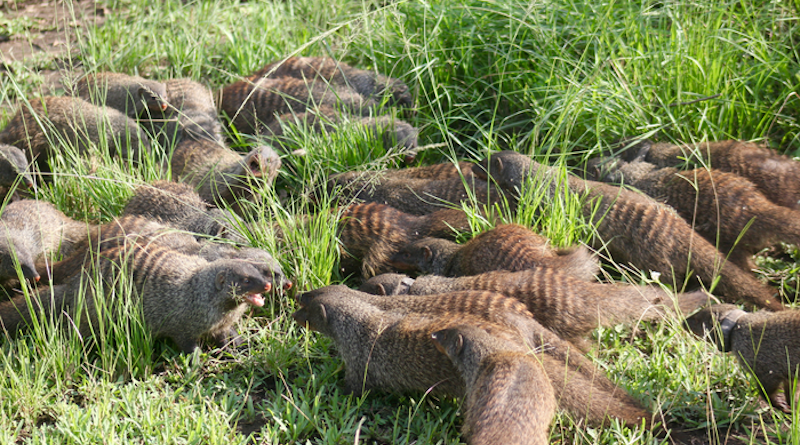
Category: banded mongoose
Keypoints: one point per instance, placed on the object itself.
(776, 175)
(371, 233)
(386, 344)
(133, 96)
(727, 209)
(191, 114)
(14, 173)
(222, 176)
(766, 344)
(390, 131)
(510, 247)
(638, 230)
(42, 125)
(252, 105)
(183, 297)
(567, 306)
(180, 206)
(34, 231)
(509, 398)
(414, 196)
(132, 229)
(325, 70)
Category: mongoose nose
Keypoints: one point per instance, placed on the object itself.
(267, 287)
(287, 285)
(163, 107)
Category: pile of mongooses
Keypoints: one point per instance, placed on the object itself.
(725, 208)
(317, 92)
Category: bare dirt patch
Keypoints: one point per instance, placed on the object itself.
(41, 36)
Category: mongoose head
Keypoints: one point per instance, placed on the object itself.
(263, 162)
(467, 345)
(604, 169)
(153, 96)
(8, 268)
(715, 323)
(242, 282)
(14, 165)
(267, 265)
(331, 310)
(387, 284)
(427, 255)
(507, 168)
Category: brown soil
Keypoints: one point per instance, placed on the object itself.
(43, 36)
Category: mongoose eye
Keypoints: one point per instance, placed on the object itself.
(247, 281)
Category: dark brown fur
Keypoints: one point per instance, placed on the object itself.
(182, 297)
(777, 176)
(45, 122)
(569, 307)
(766, 344)
(254, 105)
(371, 233)
(509, 398)
(727, 209)
(508, 247)
(131, 95)
(414, 196)
(636, 229)
(325, 70)
(221, 175)
(386, 343)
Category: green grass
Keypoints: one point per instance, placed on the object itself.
(560, 80)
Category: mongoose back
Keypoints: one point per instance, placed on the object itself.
(371, 233)
(252, 105)
(727, 209)
(385, 343)
(44, 123)
(392, 132)
(33, 231)
(414, 196)
(221, 175)
(638, 230)
(182, 297)
(508, 247)
(766, 344)
(180, 206)
(321, 69)
(776, 175)
(131, 95)
(569, 307)
(509, 398)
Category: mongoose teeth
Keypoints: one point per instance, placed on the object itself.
(256, 300)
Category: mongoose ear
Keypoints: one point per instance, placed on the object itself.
(220, 280)
(381, 290)
(142, 92)
(427, 253)
(499, 165)
(438, 337)
(459, 344)
(324, 314)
